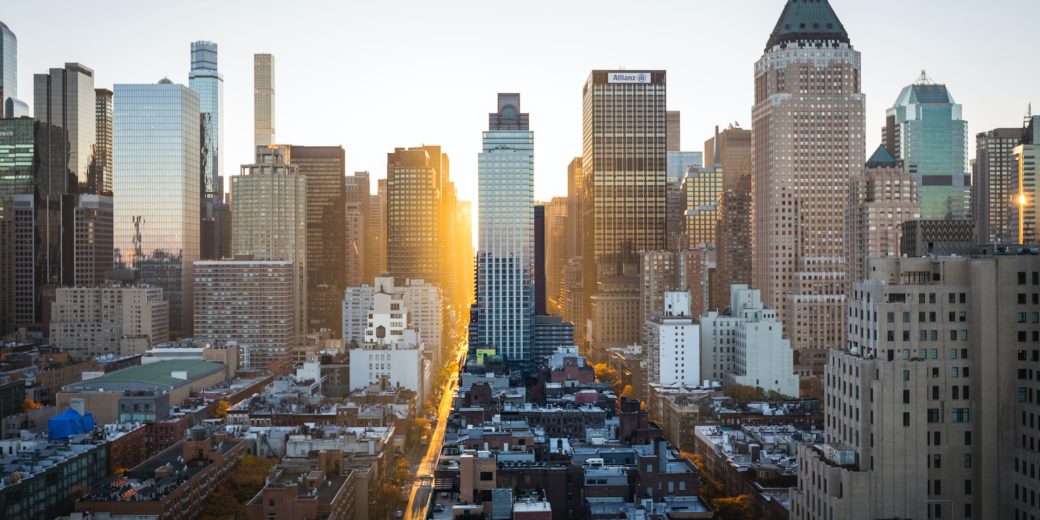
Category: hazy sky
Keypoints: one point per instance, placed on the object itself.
(375, 74)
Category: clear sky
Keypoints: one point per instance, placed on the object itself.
(375, 74)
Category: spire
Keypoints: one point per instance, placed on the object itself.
(808, 21)
(882, 158)
(923, 79)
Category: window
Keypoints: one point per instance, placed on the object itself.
(967, 442)
(960, 415)
(935, 392)
(906, 397)
(906, 418)
(933, 415)
(967, 460)
(967, 487)
(486, 476)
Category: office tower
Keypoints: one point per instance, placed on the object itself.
(673, 346)
(413, 202)
(249, 302)
(263, 99)
(375, 255)
(615, 315)
(447, 227)
(746, 345)
(673, 119)
(356, 303)
(356, 211)
(425, 303)
(1026, 202)
(269, 205)
(158, 201)
(881, 198)
(555, 246)
(508, 220)
(731, 150)
(100, 177)
(539, 260)
(575, 202)
(205, 79)
(994, 185)
(323, 167)
(659, 274)
(466, 257)
(679, 164)
(8, 67)
(572, 296)
(115, 320)
(701, 191)
(801, 194)
(624, 222)
(92, 225)
(930, 399)
(65, 98)
(925, 130)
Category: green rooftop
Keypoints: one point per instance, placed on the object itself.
(150, 375)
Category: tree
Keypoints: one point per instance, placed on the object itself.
(221, 410)
(241, 485)
(29, 404)
(733, 508)
(743, 394)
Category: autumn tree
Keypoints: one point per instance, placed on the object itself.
(221, 410)
(29, 404)
(733, 508)
(743, 393)
(240, 486)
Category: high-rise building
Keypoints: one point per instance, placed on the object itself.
(324, 169)
(92, 225)
(263, 99)
(946, 237)
(356, 303)
(680, 162)
(8, 67)
(701, 194)
(205, 79)
(555, 248)
(425, 303)
(746, 345)
(157, 206)
(575, 202)
(99, 178)
(414, 210)
(269, 205)
(615, 315)
(249, 302)
(673, 345)
(800, 193)
(116, 320)
(506, 264)
(679, 165)
(994, 185)
(539, 260)
(659, 274)
(881, 198)
(624, 222)
(925, 130)
(466, 257)
(65, 98)
(356, 213)
(673, 120)
(375, 224)
(731, 150)
(1026, 206)
(930, 399)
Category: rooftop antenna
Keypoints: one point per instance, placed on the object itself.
(1029, 115)
(923, 79)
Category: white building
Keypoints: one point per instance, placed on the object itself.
(423, 300)
(747, 347)
(356, 303)
(673, 354)
(92, 321)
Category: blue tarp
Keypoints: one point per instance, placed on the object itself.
(69, 423)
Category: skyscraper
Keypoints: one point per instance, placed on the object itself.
(555, 248)
(269, 209)
(263, 99)
(994, 186)
(323, 167)
(413, 208)
(731, 149)
(624, 146)
(925, 130)
(801, 192)
(1026, 205)
(701, 194)
(8, 67)
(506, 256)
(209, 84)
(375, 233)
(100, 177)
(156, 156)
(65, 97)
(356, 200)
(673, 120)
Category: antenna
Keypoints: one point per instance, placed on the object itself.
(923, 79)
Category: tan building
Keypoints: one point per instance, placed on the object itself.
(250, 302)
(928, 406)
(555, 249)
(263, 99)
(616, 315)
(731, 149)
(701, 194)
(308, 488)
(881, 198)
(269, 218)
(1026, 206)
(94, 321)
(416, 183)
(624, 169)
(808, 139)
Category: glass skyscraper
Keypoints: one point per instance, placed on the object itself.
(209, 84)
(65, 97)
(505, 260)
(156, 152)
(8, 65)
(925, 130)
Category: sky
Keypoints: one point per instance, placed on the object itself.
(372, 75)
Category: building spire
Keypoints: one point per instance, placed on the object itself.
(923, 79)
(808, 21)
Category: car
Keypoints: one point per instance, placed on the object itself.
(439, 508)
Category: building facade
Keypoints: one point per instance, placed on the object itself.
(205, 79)
(994, 185)
(673, 347)
(114, 320)
(800, 194)
(156, 227)
(506, 250)
(263, 99)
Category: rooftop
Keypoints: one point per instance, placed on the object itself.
(163, 375)
(807, 21)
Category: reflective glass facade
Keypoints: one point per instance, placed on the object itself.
(156, 159)
(209, 84)
(925, 130)
(65, 98)
(680, 162)
(505, 260)
(8, 64)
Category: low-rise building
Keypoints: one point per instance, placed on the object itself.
(318, 489)
(40, 478)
